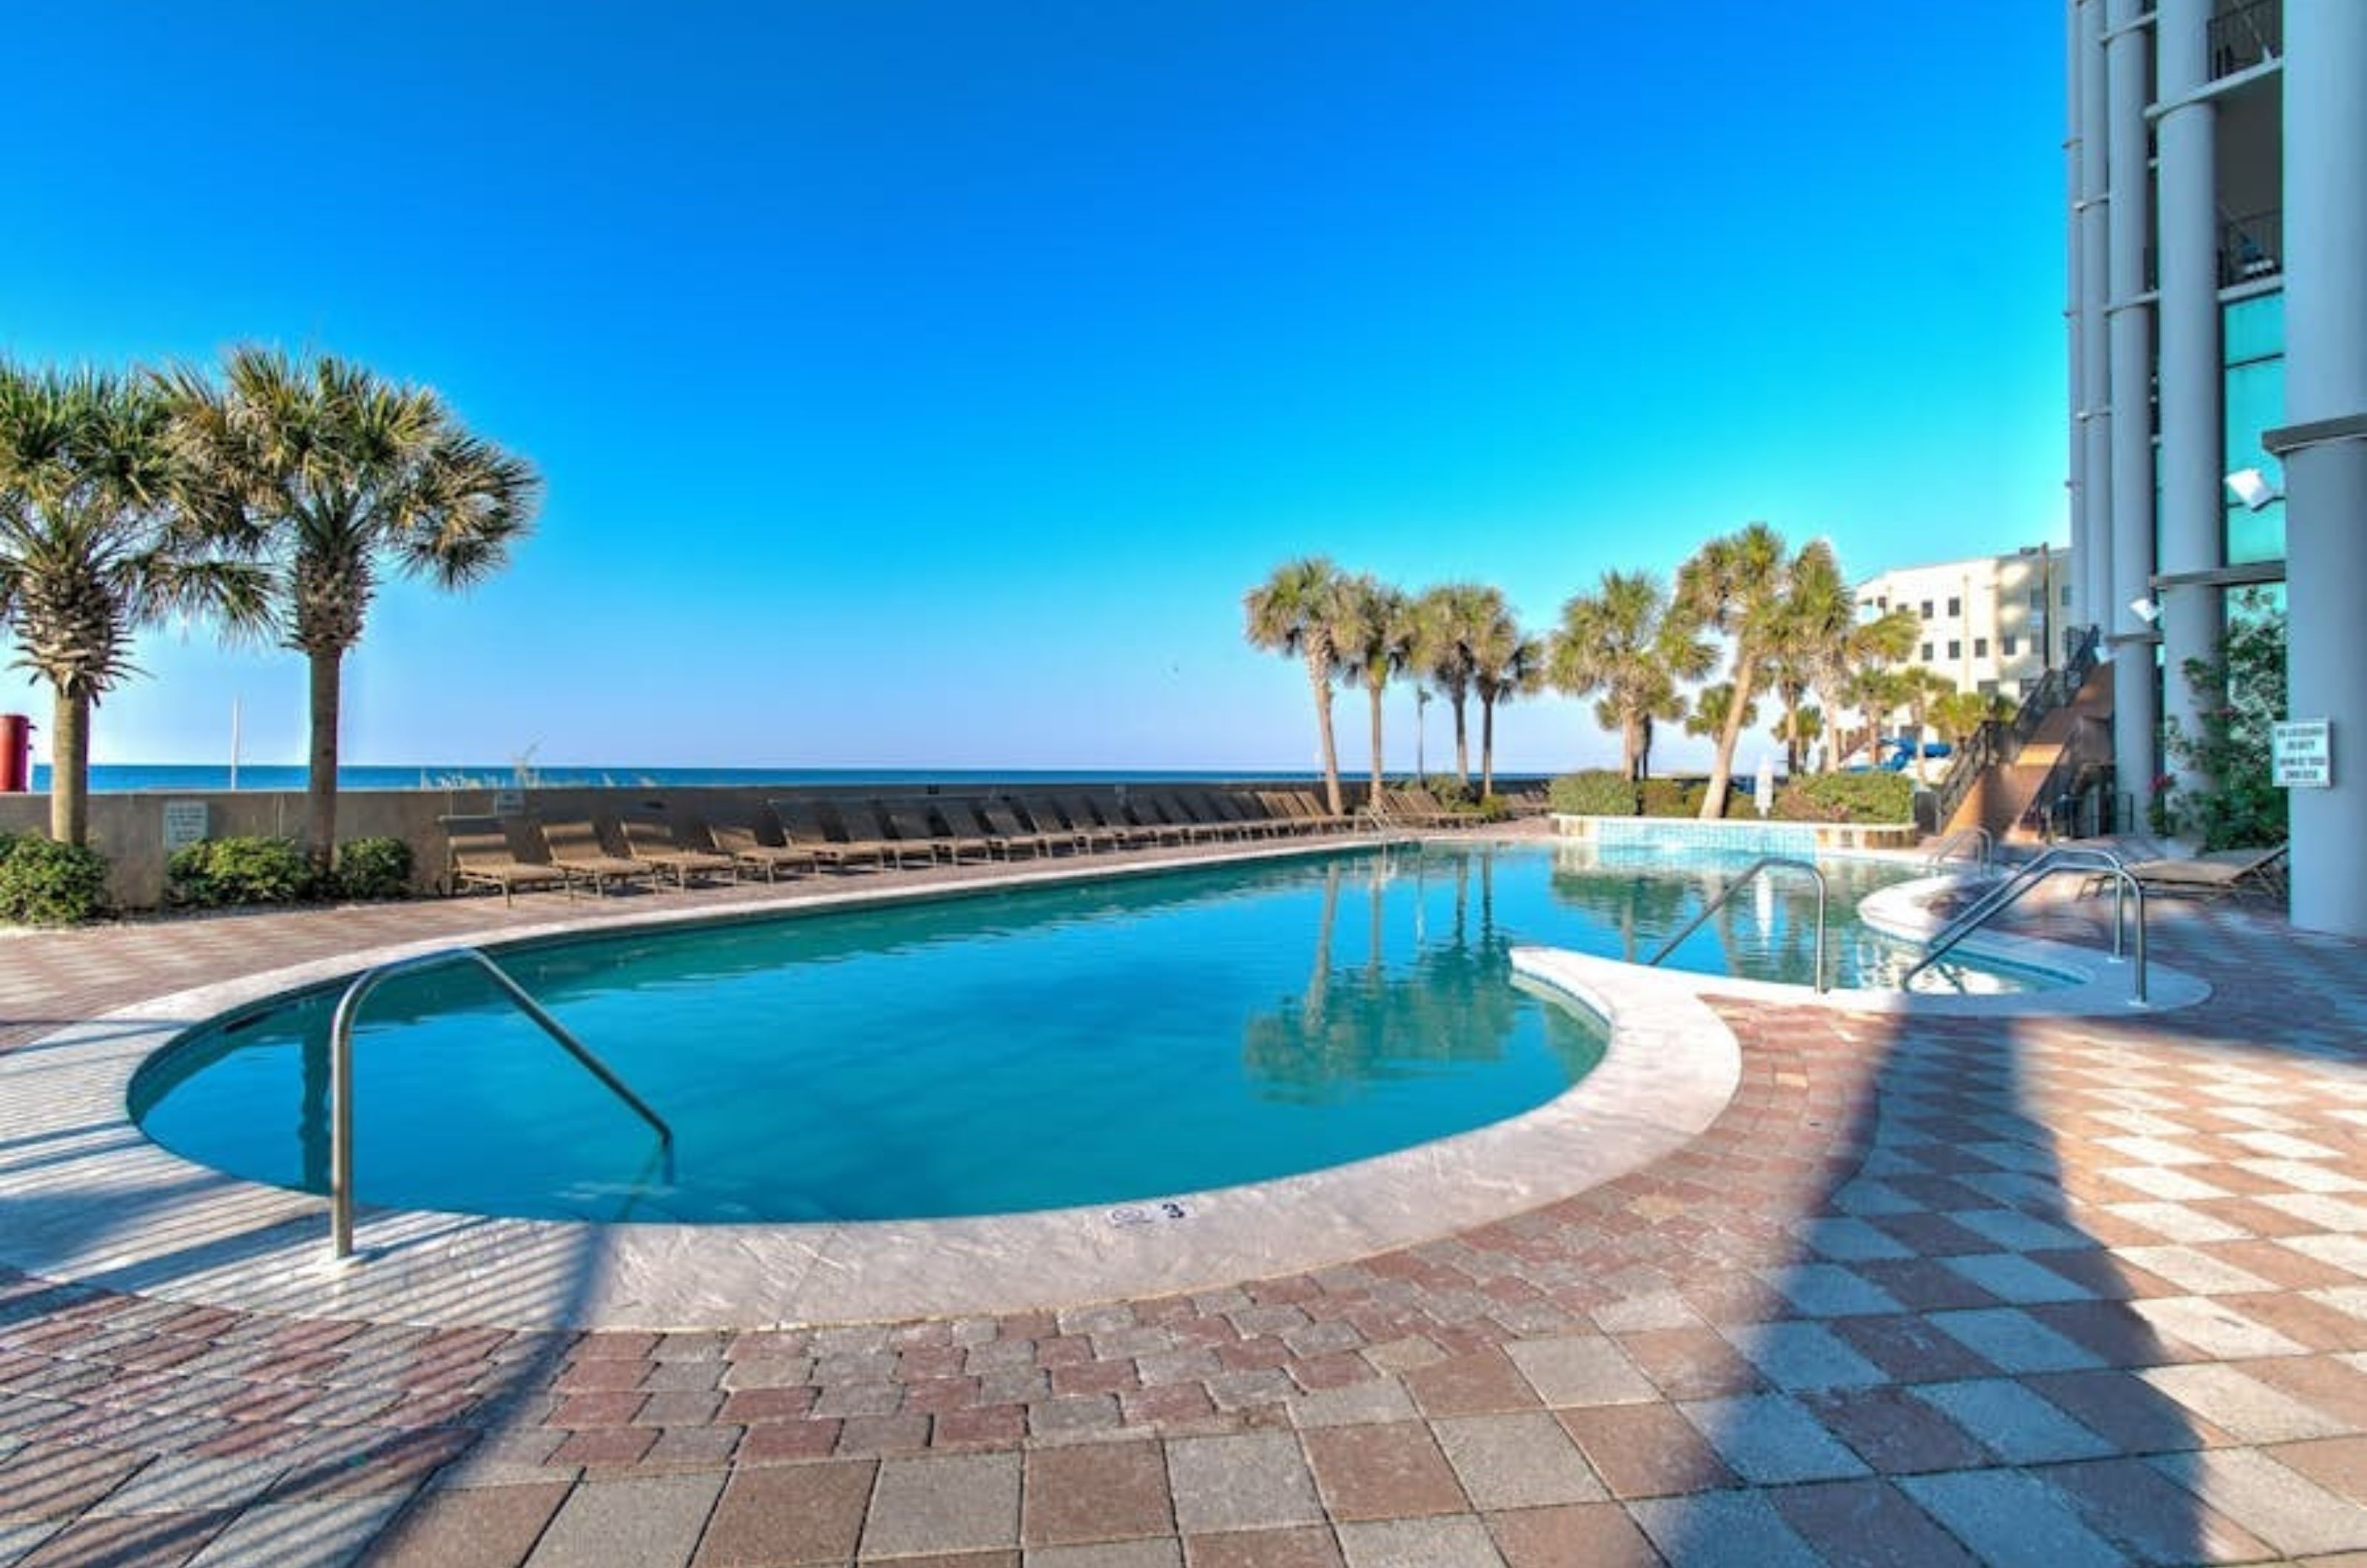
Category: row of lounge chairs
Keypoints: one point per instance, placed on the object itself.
(798, 836)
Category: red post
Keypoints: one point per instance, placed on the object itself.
(16, 753)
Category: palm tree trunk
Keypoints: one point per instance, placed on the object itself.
(321, 779)
(1462, 744)
(1373, 801)
(1631, 745)
(1644, 749)
(69, 768)
(1319, 676)
(1721, 771)
(1486, 745)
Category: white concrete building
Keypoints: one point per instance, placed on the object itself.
(1992, 624)
(2217, 314)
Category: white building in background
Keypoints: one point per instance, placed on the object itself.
(1992, 624)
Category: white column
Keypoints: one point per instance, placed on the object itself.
(2092, 543)
(2074, 483)
(2135, 718)
(2193, 514)
(2324, 445)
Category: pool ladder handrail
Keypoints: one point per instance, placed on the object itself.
(2094, 862)
(1985, 859)
(1764, 863)
(341, 1073)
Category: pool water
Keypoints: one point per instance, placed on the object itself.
(1107, 1041)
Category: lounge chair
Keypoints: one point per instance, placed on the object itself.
(861, 821)
(801, 824)
(652, 841)
(576, 847)
(1245, 812)
(478, 854)
(1198, 824)
(2222, 873)
(1303, 804)
(745, 843)
(1082, 833)
(1003, 831)
(1084, 809)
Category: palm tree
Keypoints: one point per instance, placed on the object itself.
(1375, 638)
(92, 549)
(1450, 619)
(1504, 664)
(1734, 585)
(1956, 715)
(1813, 626)
(1622, 641)
(1873, 645)
(340, 477)
(1297, 611)
(1713, 711)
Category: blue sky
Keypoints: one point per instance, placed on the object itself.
(924, 384)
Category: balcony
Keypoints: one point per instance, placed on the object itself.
(2251, 248)
(2243, 35)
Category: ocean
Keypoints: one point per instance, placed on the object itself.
(164, 776)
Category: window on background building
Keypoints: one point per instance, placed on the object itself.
(1927, 653)
(1980, 648)
(1988, 688)
(2038, 599)
(1956, 608)
(1927, 609)
(2070, 641)
(1955, 648)
(2005, 646)
(2253, 334)
(2067, 595)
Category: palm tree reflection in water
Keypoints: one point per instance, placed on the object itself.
(1436, 1004)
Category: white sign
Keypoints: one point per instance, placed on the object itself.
(2304, 753)
(184, 824)
(509, 803)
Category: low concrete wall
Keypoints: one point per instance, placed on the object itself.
(129, 828)
(1740, 835)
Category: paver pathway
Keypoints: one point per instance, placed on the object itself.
(1930, 1292)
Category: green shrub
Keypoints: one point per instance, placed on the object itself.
(1849, 798)
(1593, 791)
(374, 868)
(1672, 798)
(219, 873)
(44, 882)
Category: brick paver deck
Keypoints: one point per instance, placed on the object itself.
(1930, 1292)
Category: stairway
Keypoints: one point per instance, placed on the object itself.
(2075, 737)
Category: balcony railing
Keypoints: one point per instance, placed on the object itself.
(2251, 247)
(2244, 35)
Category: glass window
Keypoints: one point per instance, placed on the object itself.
(2038, 599)
(1980, 648)
(2254, 329)
(1988, 688)
(2005, 646)
(1956, 608)
(1955, 648)
(1927, 653)
(1927, 609)
(2066, 595)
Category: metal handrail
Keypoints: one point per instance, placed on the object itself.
(1985, 859)
(340, 1074)
(2006, 894)
(1764, 863)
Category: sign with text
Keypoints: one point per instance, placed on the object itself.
(2303, 750)
(184, 824)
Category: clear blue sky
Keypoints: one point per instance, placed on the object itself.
(925, 383)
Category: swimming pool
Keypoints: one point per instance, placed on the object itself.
(1108, 1042)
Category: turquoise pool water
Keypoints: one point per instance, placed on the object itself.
(1100, 1042)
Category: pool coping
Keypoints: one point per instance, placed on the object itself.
(104, 1206)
